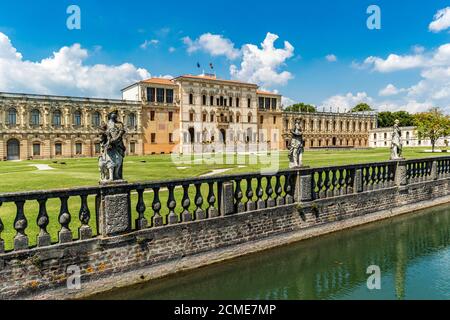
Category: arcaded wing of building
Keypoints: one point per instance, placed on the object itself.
(183, 115)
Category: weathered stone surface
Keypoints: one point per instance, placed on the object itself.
(116, 215)
(227, 200)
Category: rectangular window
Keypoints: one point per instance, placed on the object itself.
(160, 95)
(249, 103)
(261, 103)
(97, 148)
(151, 94)
(152, 115)
(36, 149)
(274, 103)
(78, 148)
(211, 100)
(170, 137)
(132, 147)
(274, 120)
(169, 95)
(153, 137)
(211, 118)
(170, 116)
(267, 103)
(261, 119)
(237, 102)
(204, 117)
(231, 102)
(191, 117)
(58, 149)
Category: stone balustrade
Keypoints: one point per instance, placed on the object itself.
(125, 208)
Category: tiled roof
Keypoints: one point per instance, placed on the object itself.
(206, 77)
(159, 81)
(267, 93)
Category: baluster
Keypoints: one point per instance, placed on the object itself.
(341, 182)
(186, 203)
(334, 182)
(20, 224)
(373, 178)
(328, 191)
(156, 206)
(289, 199)
(238, 195)
(43, 239)
(385, 177)
(320, 185)
(249, 193)
(65, 235)
(85, 231)
(212, 211)
(2, 227)
(379, 177)
(172, 218)
(366, 178)
(278, 191)
(199, 213)
(269, 191)
(141, 221)
(349, 180)
(260, 204)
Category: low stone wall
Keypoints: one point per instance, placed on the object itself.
(128, 257)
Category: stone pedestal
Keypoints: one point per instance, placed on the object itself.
(400, 175)
(115, 209)
(227, 199)
(358, 181)
(303, 188)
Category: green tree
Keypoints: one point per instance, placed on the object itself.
(362, 107)
(301, 107)
(432, 125)
(386, 119)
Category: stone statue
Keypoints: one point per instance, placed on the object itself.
(296, 146)
(112, 150)
(396, 143)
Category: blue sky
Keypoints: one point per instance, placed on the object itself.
(115, 32)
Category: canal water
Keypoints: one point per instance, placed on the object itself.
(412, 252)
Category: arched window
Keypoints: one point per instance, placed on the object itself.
(231, 101)
(191, 98)
(204, 100)
(56, 121)
(12, 116)
(35, 118)
(96, 119)
(131, 120)
(77, 118)
(211, 100)
(249, 103)
(249, 118)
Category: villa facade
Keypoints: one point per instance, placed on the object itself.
(184, 114)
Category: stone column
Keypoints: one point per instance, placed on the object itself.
(303, 188)
(358, 181)
(434, 170)
(400, 174)
(115, 209)
(227, 199)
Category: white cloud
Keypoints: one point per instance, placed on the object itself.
(63, 73)
(390, 90)
(395, 62)
(261, 65)
(346, 101)
(148, 43)
(441, 20)
(213, 44)
(172, 49)
(331, 58)
(286, 101)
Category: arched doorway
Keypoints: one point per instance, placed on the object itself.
(223, 136)
(191, 135)
(334, 141)
(13, 150)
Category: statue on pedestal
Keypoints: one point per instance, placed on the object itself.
(396, 143)
(296, 146)
(112, 150)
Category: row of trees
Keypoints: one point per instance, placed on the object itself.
(432, 125)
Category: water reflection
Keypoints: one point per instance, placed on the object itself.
(331, 267)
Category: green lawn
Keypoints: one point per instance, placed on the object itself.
(23, 176)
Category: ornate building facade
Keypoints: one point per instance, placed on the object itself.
(182, 115)
(47, 127)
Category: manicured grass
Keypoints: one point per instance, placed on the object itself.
(23, 176)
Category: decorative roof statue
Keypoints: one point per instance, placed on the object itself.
(296, 146)
(396, 143)
(112, 150)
